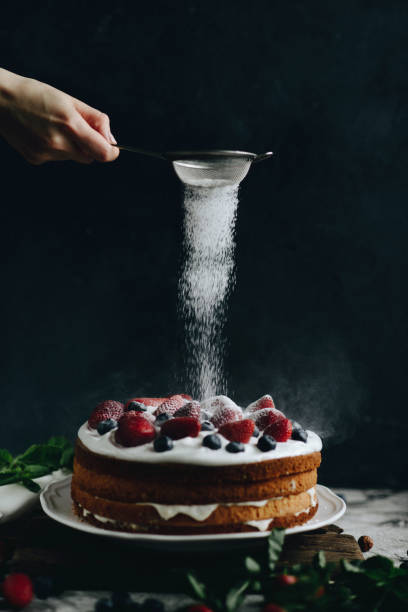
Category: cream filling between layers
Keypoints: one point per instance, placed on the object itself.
(200, 512)
(263, 524)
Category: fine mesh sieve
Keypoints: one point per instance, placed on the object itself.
(207, 168)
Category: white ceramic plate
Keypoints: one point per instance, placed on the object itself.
(57, 503)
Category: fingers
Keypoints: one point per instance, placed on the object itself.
(91, 142)
(96, 119)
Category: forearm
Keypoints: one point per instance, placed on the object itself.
(9, 84)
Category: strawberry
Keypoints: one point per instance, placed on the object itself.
(286, 579)
(198, 608)
(18, 590)
(181, 427)
(265, 401)
(266, 417)
(186, 396)
(281, 429)
(134, 430)
(147, 401)
(191, 409)
(170, 405)
(225, 414)
(109, 409)
(238, 431)
(271, 607)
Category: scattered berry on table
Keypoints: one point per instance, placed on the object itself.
(212, 441)
(265, 401)
(170, 405)
(266, 443)
(164, 416)
(105, 426)
(238, 431)
(198, 608)
(103, 605)
(163, 444)
(266, 417)
(120, 599)
(255, 432)
(286, 579)
(109, 409)
(152, 605)
(235, 447)
(44, 586)
(281, 429)
(138, 406)
(18, 590)
(207, 426)
(298, 433)
(271, 607)
(365, 543)
(134, 430)
(191, 409)
(181, 427)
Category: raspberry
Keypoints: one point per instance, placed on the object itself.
(134, 430)
(266, 417)
(265, 401)
(18, 590)
(286, 579)
(109, 409)
(147, 401)
(191, 409)
(281, 429)
(181, 427)
(170, 405)
(238, 431)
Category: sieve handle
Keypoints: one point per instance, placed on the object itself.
(140, 151)
(262, 156)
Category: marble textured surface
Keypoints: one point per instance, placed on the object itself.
(381, 514)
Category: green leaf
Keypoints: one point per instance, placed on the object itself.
(320, 560)
(31, 485)
(5, 457)
(235, 596)
(42, 454)
(198, 587)
(350, 567)
(275, 544)
(59, 441)
(67, 458)
(36, 470)
(10, 477)
(252, 565)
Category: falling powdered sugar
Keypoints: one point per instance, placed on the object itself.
(206, 281)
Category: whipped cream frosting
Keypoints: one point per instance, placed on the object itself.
(191, 450)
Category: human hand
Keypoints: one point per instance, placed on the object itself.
(45, 124)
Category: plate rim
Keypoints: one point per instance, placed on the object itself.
(75, 523)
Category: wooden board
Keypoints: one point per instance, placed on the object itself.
(38, 545)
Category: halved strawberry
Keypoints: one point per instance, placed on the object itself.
(109, 409)
(266, 417)
(170, 405)
(186, 396)
(147, 401)
(134, 430)
(181, 427)
(281, 429)
(191, 409)
(238, 431)
(265, 401)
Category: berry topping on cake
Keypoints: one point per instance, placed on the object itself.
(170, 405)
(137, 406)
(186, 396)
(191, 409)
(281, 429)
(298, 433)
(255, 432)
(212, 441)
(235, 447)
(181, 427)
(266, 443)
(109, 409)
(164, 416)
(105, 426)
(238, 431)
(224, 411)
(265, 401)
(18, 590)
(147, 401)
(266, 417)
(163, 444)
(134, 430)
(207, 426)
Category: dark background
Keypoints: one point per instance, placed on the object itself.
(90, 255)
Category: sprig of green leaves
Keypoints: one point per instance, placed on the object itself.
(38, 460)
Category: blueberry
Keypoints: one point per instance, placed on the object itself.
(136, 406)
(298, 433)
(162, 444)
(43, 586)
(235, 447)
(256, 432)
(164, 416)
(120, 600)
(103, 605)
(266, 443)
(207, 426)
(152, 605)
(105, 426)
(404, 565)
(212, 441)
